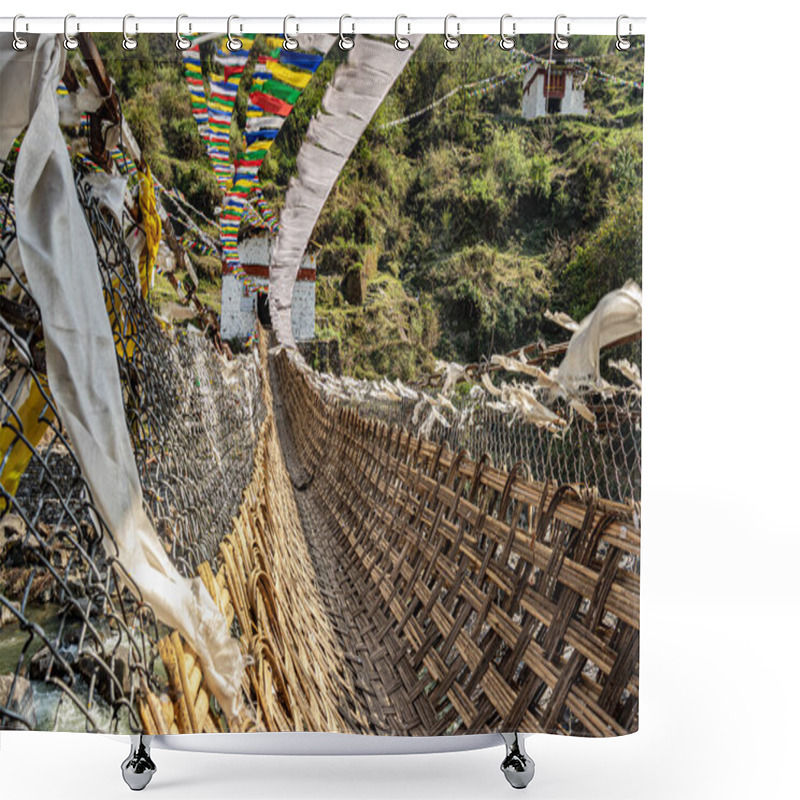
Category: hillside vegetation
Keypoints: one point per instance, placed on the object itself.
(457, 228)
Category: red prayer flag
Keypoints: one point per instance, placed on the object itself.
(270, 104)
(235, 70)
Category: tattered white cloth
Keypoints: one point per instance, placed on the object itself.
(358, 88)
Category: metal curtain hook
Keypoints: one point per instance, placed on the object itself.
(623, 43)
(345, 42)
(233, 42)
(506, 42)
(181, 42)
(400, 42)
(451, 42)
(560, 43)
(70, 42)
(19, 43)
(288, 42)
(128, 42)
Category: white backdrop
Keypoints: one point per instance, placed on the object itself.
(720, 596)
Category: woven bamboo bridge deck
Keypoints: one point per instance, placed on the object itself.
(380, 583)
(377, 577)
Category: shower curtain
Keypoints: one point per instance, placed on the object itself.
(321, 387)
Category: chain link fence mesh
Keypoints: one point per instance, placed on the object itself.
(604, 454)
(76, 642)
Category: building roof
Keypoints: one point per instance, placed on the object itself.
(559, 58)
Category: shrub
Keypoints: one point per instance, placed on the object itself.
(611, 255)
(337, 257)
(490, 301)
(145, 122)
(208, 268)
(182, 139)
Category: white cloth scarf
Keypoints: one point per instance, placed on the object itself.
(617, 315)
(357, 90)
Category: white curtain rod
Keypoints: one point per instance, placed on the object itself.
(458, 26)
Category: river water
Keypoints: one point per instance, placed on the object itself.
(54, 709)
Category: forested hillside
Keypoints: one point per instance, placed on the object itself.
(463, 224)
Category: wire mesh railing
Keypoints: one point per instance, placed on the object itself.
(193, 418)
(76, 641)
(603, 453)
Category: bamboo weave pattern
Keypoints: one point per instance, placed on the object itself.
(513, 604)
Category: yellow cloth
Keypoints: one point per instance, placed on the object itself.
(34, 414)
(151, 223)
(286, 75)
(122, 325)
